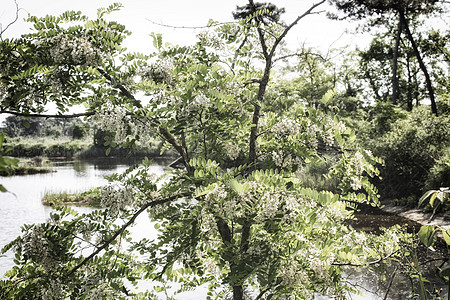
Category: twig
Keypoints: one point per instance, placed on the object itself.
(188, 27)
(15, 20)
(390, 283)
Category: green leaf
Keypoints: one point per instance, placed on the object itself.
(427, 235)
(433, 197)
(445, 272)
(236, 186)
(425, 196)
(3, 189)
(26, 124)
(446, 236)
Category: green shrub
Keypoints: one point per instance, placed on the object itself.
(439, 174)
(411, 149)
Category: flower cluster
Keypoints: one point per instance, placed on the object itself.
(287, 126)
(159, 72)
(357, 162)
(198, 103)
(112, 119)
(74, 49)
(283, 160)
(293, 274)
(211, 39)
(232, 149)
(115, 200)
(35, 244)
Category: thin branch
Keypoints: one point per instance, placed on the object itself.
(189, 27)
(14, 21)
(308, 12)
(390, 283)
(122, 88)
(20, 114)
(121, 230)
(368, 263)
(299, 54)
(260, 33)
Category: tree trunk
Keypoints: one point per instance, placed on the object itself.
(410, 86)
(395, 65)
(238, 292)
(421, 63)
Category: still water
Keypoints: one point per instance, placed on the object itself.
(22, 205)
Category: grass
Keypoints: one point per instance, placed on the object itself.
(88, 198)
(28, 166)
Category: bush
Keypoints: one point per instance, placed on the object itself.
(439, 175)
(78, 132)
(411, 149)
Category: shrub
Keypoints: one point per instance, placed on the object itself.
(410, 150)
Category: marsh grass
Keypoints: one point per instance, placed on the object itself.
(88, 198)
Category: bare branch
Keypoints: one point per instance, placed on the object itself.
(308, 12)
(14, 21)
(189, 27)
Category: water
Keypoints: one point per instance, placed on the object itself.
(23, 206)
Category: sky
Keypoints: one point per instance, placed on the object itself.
(314, 31)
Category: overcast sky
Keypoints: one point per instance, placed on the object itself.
(315, 30)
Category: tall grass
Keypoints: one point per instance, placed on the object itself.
(88, 198)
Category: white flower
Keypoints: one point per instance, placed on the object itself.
(356, 183)
(286, 126)
(357, 162)
(232, 150)
(113, 119)
(211, 39)
(77, 49)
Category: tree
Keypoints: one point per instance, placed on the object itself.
(403, 9)
(235, 216)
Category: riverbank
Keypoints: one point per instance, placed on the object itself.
(369, 218)
(76, 148)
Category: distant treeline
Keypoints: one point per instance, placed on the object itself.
(32, 137)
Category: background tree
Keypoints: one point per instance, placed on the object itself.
(404, 10)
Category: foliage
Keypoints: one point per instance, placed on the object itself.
(236, 217)
(46, 147)
(6, 163)
(410, 150)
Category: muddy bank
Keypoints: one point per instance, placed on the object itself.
(369, 218)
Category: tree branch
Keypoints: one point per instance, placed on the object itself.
(188, 27)
(20, 114)
(121, 230)
(14, 21)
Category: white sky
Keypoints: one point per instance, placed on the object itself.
(314, 30)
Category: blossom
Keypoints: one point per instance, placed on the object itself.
(77, 49)
(232, 150)
(211, 39)
(286, 126)
(159, 71)
(357, 161)
(112, 119)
